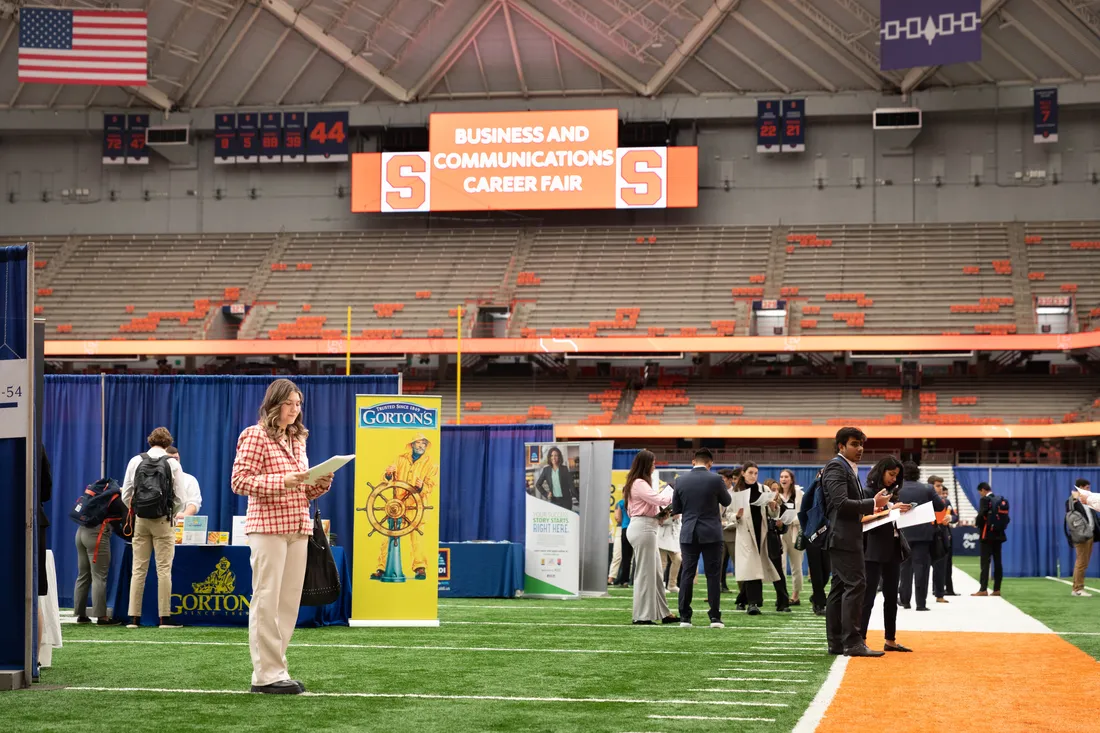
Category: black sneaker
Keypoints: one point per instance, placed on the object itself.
(643, 623)
(83, 620)
(282, 687)
(167, 622)
(785, 609)
(670, 620)
(108, 621)
(740, 606)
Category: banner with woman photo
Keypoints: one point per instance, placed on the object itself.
(552, 548)
(397, 495)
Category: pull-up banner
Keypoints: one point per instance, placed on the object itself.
(929, 33)
(525, 161)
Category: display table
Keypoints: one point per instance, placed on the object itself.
(480, 569)
(212, 586)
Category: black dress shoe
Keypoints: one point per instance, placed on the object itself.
(300, 685)
(796, 603)
(785, 609)
(923, 608)
(906, 606)
(753, 611)
(643, 623)
(896, 647)
(819, 610)
(863, 651)
(83, 620)
(740, 606)
(670, 620)
(282, 687)
(836, 651)
(108, 621)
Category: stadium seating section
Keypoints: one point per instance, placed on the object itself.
(699, 280)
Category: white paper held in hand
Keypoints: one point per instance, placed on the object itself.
(329, 466)
(789, 517)
(919, 514)
(765, 498)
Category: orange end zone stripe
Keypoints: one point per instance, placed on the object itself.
(881, 432)
(637, 345)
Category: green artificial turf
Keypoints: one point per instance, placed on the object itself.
(1049, 601)
(612, 660)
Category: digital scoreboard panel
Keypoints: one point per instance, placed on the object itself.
(516, 161)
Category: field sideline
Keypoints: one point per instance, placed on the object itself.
(497, 665)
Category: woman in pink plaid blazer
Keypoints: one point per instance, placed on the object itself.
(271, 470)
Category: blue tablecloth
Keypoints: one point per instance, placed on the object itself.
(212, 586)
(480, 569)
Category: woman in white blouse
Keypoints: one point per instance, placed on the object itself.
(643, 504)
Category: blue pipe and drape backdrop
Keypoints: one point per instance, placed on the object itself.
(481, 466)
(1037, 543)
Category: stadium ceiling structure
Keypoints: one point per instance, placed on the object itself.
(304, 53)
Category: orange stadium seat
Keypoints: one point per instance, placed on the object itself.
(278, 267)
(972, 270)
(747, 292)
(1033, 239)
(307, 266)
(45, 292)
(423, 294)
(808, 323)
(437, 333)
(1069, 288)
(757, 279)
(471, 406)
(1084, 245)
(40, 264)
(788, 291)
(39, 310)
(811, 310)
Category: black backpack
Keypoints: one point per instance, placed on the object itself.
(153, 495)
(813, 517)
(98, 503)
(996, 522)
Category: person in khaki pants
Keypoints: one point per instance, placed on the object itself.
(156, 536)
(271, 469)
(1083, 549)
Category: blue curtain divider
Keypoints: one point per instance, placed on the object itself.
(482, 472)
(1037, 544)
(205, 416)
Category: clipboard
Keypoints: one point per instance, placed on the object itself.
(330, 466)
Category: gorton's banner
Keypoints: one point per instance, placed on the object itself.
(525, 160)
(396, 511)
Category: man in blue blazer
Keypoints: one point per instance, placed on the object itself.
(698, 498)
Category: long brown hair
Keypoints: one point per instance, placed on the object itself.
(641, 468)
(741, 485)
(794, 483)
(279, 392)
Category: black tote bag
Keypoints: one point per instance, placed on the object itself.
(322, 583)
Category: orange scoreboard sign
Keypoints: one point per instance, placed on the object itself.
(525, 160)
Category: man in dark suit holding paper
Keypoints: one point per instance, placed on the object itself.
(846, 509)
(698, 498)
(920, 538)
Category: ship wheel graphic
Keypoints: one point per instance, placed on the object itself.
(395, 509)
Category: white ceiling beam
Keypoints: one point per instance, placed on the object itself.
(695, 38)
(557, 63)
(1012, 59)
(605, 31)
(213, 40)
(313, 32)
(481, 64)
(454, 50)
(262, 67)
(515, 49)
(806, 68)
(748, 61)
(1070, 28)
(596, 60)
(1082, 10)
(226, 56)
(710, 67)
(915, 77)
(153, 96)
(1049, 52)
(867, 70)
(166, 45)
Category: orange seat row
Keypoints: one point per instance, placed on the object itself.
(1069, 288)
(435, 333)
(528, 278)
(1036, 276)
(40, 264)
(719, 410)
(962, 420)
(471, 406)
(996, 329)
(641, 420)
(968, 308)
(885, 420)
(418, 386)
(539, 412)
(972, 270)
(852, 319)
(807, 323)
(1084, 245)
(570, 333)
(423, 294)
(641, 240)
(64, 328)
(772, 421)
(747, 292)
(39, 310)
(724, 328)
(604, 418)
(811, 310)
(809, 240)
(382, 333)
(757, 279)
(386, 310)
(1033, 239)
(964, 400)
(44, 292)
(231, 294)
(304, 266)
(788, 291)
(1002, 267)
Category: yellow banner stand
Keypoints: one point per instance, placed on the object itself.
(397, 497)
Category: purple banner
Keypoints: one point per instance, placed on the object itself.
(929, 33)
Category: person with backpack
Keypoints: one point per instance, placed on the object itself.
(98, 506)
(148, 490)
(1082, 530)
(991, 523)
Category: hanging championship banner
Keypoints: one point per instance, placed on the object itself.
(395, 572)
(552, 547)
(1046, 115)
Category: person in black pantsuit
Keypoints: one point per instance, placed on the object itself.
(883, 550)
(698, 499)
(846, 509)
(920, 538)
(555, 481)
(991, 541)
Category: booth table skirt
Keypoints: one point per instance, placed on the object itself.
(212, 586)
(481, 569)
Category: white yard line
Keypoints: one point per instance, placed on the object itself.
(706, 717)
(405, 647)
(1066, 582)
(770, 668)
(753, 679)
(816, 711)
(424, 696)
(745, 692)
(622, 625)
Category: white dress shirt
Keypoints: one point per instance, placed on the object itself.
(188, 493)
(131, 469)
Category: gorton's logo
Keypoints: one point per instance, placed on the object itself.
(213, 595)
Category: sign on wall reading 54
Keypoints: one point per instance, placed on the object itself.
(525, 160)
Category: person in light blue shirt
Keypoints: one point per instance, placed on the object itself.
(624, 576)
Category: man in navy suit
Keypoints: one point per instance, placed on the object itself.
(698, 498)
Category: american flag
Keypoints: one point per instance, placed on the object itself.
(107, 47)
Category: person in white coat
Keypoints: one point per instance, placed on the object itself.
(668, 542)
(751, 563)
(790, 497)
